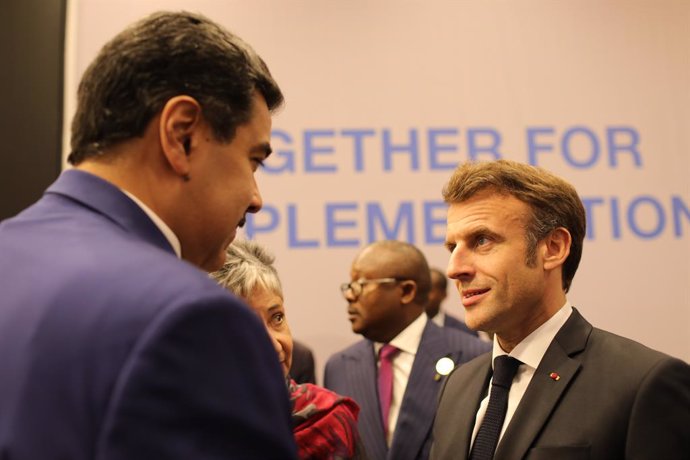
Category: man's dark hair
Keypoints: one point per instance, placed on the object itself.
(162, 56)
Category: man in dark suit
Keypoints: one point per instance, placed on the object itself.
(112, 347)
(437, 294)
(515, 234)
(386, 298)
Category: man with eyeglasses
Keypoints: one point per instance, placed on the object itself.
(395, 373)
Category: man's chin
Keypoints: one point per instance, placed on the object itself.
(213, 264)
(475, 322)
(356, 328)
(232, 236)
(216, 261)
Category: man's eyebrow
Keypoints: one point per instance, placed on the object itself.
(484, 230)
(264, 148)
(479, 229)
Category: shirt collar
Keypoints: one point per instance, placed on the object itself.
(409, 338)
(533, 347)
(162, 226)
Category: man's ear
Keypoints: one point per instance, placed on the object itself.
(556, 248)
(180, 118)
(409, 291)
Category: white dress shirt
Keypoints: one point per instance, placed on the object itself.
(530, 352)
(407, 341)
(162, 226)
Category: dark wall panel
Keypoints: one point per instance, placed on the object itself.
(31, 83)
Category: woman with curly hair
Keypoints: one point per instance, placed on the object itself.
(324, 423)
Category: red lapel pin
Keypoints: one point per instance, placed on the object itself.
(555, 376)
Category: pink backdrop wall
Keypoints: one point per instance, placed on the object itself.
(384, 98)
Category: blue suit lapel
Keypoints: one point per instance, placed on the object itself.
(543, 393)
(106, 199)
(419, 402)
(361, 373)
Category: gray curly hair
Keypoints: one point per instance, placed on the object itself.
(248, 266)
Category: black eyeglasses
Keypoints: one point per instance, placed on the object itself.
(353, 289)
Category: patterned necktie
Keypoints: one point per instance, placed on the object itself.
(386, 354)
(487, 436)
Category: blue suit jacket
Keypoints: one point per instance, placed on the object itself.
(353, 372)
(112, 348)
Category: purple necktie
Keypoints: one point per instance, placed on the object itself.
(386, 354)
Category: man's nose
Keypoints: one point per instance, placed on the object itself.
(256, 203)
(460, 264)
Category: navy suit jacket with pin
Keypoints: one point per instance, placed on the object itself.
(111, 348)
(353, 372)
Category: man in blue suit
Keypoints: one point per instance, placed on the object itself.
(112, 347)
(386, 297)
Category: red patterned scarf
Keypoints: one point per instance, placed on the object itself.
(324, 423)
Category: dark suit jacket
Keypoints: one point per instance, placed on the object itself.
(615, 399)
(113, 349)
(302, 369)
(451, 321)
(353, 372)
